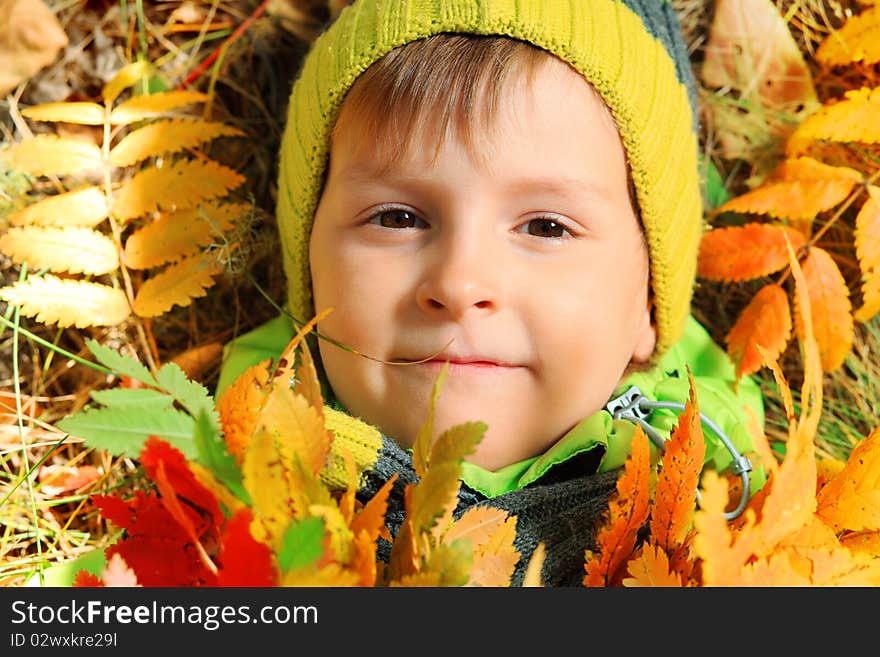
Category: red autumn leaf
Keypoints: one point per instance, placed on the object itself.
(155, 546)
(179, 477)
(85, 579)
(627, 512)
(764, 322)
(244, 561)
(741, 253)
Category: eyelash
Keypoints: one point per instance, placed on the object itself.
(376, 220)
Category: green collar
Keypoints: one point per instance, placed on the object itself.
(598, 431)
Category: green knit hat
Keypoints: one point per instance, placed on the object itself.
(631, 51)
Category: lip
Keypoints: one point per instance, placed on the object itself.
(474, 363)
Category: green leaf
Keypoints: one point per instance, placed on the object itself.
(120, 364)
(144, 397)
(192, 395)
(302, 544)
(215, 456)
(123, 430)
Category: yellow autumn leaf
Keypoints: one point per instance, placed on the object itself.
(176, 186)
(867, 543)
(532, 577)
(296, 367)
(331, 575)
(207, 479)
(50, 155)
(422, 443)
(175, 235)
(85, 206)
(867, 242)
(176, 285)
(153, 105)
(855, 118)
(832, 315)
(858, 40)
(73, 250)
(67, 302)
(491, 533)
(851, 501)
(83, 113)
(124, 78)
(721, 557)
(297, 425)
(450, 564)
(167, 136)
(264, 479)
(440, 483)
(650, 568)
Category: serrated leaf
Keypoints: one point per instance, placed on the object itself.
(440, 483)
(422, 443)
(741, 253)
(73, 250)
(83, 113)
(867, 243)
(651, 568)
(627, 512)
(124, 430)
(50, 155)
(178, 285)
(167, 136)
(239, 406)
(192, 395)
(124, 78)
(829, 297)
(796, 197)
(851, 501)
(855, 118)
(153, 105)
(121, 397)
(491, 533)
(180, 185)
(85, 206)
(215, 456)
(302, 544)
(264, 479)
(120, 364)
(676, 492)
(858, 40)
(67, 302)
(178, 234)
(764, 322)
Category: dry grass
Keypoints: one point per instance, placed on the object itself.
(40, 380)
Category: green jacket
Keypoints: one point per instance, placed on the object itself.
(558, 496)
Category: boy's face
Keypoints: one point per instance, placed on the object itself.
(529, 259)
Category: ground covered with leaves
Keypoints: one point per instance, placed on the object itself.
(97, 95)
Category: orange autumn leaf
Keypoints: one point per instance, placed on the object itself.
(491, 533)
(627, 512)
(832, 311)
(765, 321)
(741, 253)
(676, 492)
(799, 189)
(370, 520)
(851, 501)
(239, 407)
(651, 568)
(867, 242)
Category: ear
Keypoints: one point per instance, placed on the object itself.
(646, 336)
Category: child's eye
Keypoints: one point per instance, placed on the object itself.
(544, 228)
(398, 219)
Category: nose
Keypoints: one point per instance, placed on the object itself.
(464, 276)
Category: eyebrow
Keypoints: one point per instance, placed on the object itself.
(558, 185)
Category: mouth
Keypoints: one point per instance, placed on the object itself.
(471, 363)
